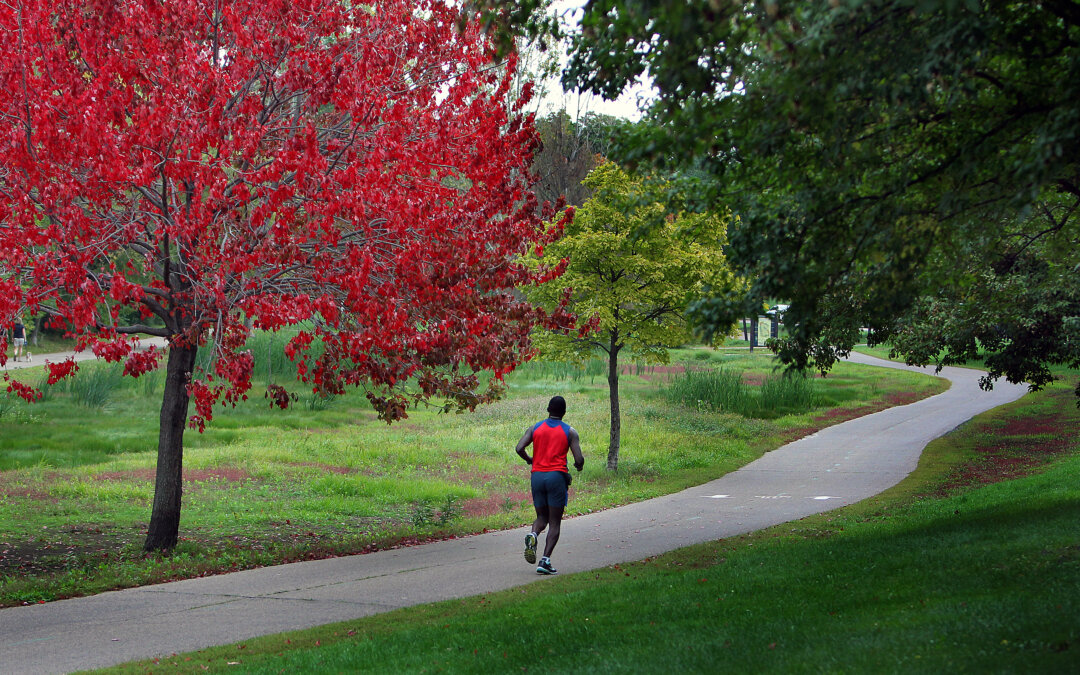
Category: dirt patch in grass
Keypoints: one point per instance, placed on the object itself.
(325, 467)
(135, 475)
(225, 474)
(457, 469)
(25, 492)
(903, 398)
(57, 550)
(1003, 461)
(11, 486)
(837, 415)
(1048, 425)
(1018, 448)
(493, 504)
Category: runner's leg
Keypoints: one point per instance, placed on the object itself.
(554, 517)
(541, 519)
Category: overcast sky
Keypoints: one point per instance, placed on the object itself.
(576, 105)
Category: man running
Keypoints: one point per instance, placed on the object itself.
(551, 440)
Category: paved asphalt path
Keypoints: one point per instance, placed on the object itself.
(57, 357)
(834, 467)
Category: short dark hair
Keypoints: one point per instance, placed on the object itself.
(557, 406)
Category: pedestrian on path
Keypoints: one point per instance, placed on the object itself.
(18, 336)
(551, 440)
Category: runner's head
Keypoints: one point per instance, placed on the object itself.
(557, 406)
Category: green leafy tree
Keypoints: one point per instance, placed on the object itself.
(1013, 300)
(632, 265)
(879, 154)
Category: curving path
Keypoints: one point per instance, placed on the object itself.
(834, 467)
(85, 355)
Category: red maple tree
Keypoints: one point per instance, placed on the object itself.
(350, 169)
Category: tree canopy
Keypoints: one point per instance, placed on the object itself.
(878, 153)
(632, 268)
(190, 171)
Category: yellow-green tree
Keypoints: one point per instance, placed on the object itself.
(633, 266)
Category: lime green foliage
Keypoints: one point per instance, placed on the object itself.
(635, 279)
(981, 581)
(633, 268)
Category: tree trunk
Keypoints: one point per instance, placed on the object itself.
(168, 487)
(40, 319)
(616, 419)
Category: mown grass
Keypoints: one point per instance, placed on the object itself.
(885, 352)
(921, 579)
(264, 487)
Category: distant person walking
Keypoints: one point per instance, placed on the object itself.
(551, 440)
(18, 337)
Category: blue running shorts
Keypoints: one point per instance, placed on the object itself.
(549, 488)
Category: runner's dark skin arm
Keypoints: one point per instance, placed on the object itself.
(575, 447)
(525, 442)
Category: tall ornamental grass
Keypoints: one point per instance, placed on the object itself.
(557, 371)
(716, 390)
(94, 385)
(268, 349)
(786, 393)
(724, 391)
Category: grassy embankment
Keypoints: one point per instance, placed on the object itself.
(972, 564)
(325, 478)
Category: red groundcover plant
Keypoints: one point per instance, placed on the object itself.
(191, 170)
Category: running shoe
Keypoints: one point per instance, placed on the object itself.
(530, 548)
(545, 567)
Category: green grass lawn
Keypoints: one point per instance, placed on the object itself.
(325, 478)
(884, 352)
(972, 564)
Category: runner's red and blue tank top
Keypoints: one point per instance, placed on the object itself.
(551, 442)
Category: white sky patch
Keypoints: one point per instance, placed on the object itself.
(554, 98)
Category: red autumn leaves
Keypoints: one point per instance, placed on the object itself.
(191, 172)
